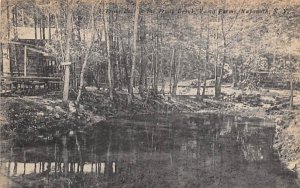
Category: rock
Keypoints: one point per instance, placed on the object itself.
(285, 125)
(274, 108)
(278, 145)
(50, 108)
(295, 168)
(279, 121)
(81, 107)
(278, 129)
(40, 114)
(57, 116)
(57, 133)
(91, 88)
(72, 108)
(71, 133)
(58, 108)
(97, 119)
(239, 98)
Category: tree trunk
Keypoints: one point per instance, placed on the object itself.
(135, 32)
(43, 26)
(217, 59)
(77, 27)
(22, 14)
(143, 63)
(274, 62)
(155, 76)
(291, 85)
(291, 94)
(67, 56)
(35, 25)
(87, 53)
(234, 74)
(16, 22)
(198, 78)
(109, 68)
(162, 77)
(204, 81)
(40, 27)
(216, 78)
(49, 27)
(199, 65)
(171, 70)
(58, 29)
(207, 60)
(121, 59)
(6, 68)
(219, 83)
(142, 75)
(176, 75)
(126, 72)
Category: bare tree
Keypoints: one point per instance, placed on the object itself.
(107, 38)
(70, 8)
(87, 52)
(206, 60)
(176, 74)
(171, 70)
(134, 50)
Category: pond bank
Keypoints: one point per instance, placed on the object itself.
(44, 118)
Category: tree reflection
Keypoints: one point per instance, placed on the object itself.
(190, 151)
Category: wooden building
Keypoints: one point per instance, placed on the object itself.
(27, 58)
(23, 58)
(29, 67)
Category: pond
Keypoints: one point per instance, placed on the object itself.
(161, 150)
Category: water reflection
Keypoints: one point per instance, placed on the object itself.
(21, 168)
(179, 150)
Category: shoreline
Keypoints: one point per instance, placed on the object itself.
(285, 121)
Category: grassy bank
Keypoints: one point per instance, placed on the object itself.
(42, 119)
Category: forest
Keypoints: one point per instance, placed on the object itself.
(150, 46)
(150, 93)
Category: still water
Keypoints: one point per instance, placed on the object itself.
(164, 150)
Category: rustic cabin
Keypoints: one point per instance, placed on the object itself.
(38, 62)
(24, 63)
(29, 67)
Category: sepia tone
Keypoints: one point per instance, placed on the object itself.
(149, 93)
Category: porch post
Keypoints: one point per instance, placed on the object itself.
(25, 60)
(6, 60)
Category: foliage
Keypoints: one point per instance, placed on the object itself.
(236, 40)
